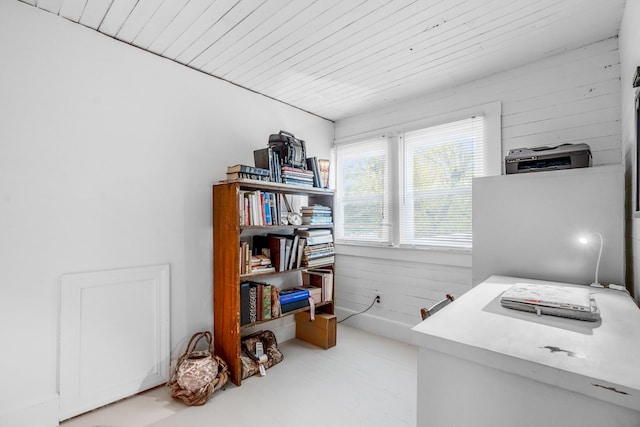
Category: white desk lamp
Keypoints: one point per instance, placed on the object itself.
(584, 241)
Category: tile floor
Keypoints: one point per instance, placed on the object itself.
(366, 380)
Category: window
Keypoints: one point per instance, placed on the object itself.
(413, 186)
(438, 165)
(362, 207)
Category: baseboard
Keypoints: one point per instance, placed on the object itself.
(377, 325)
(43, 413)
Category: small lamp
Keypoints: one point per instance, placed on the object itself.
(323, 164)
(584, 240)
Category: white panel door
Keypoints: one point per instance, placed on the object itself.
(114, 336)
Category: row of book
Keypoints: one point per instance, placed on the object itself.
(263, 301)
(260, 208)
(280, 252)
(267, 159)
(266, 208)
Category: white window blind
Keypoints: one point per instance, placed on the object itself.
(438, 164)
(362, 208)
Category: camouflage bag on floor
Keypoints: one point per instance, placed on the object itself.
(199, 373)
(252, 361)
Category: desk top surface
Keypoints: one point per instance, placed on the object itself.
(601, 359)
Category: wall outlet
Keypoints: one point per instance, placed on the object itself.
(378, 297)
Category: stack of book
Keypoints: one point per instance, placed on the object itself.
(297, 176)
(252, 262)
(247, 172)
(316, 214)
(319, 249)
(261, 264)
(293, 299)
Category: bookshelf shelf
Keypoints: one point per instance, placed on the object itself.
(269, 228)
(287, 314)
(228, 233)
(250, 276)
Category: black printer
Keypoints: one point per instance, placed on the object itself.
(565, 156)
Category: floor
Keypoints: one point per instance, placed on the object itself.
(366, 380)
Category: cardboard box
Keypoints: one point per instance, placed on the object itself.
(320, 332)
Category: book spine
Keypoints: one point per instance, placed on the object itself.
(266, 302)
(253, 303)
(294, 305)
(292, 297)
(316, 240)
(267, 209)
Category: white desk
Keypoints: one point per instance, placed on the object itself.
(480, 364)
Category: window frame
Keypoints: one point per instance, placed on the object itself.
(338, 212)
(493, 164)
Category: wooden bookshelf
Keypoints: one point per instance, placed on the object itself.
(227, 234)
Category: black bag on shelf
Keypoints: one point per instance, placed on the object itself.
(291, 150)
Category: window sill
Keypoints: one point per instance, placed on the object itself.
(456, 257)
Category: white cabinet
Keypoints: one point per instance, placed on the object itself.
(480, 364)
(528, 225)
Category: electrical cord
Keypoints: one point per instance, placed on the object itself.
(376, 299)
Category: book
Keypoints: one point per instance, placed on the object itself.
(312, 165)
(314, 292)
(267, 208)
(248, 169)
(264, 159)
(253, 303)
(276, 310)
(302, 242)
(244, 175)
(315, 209)
(294, 252)
(316, 255)
(291, 295)
(259, 302)
(315, 240)
(319, 261)
(308, 220)
(294, 305)
(297, 170)
(277, 248)
(313, 232)
(244, 303)
(266, 301)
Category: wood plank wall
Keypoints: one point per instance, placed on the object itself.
(567, 98)
(630, 60)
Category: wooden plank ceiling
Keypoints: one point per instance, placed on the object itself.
(337, 58)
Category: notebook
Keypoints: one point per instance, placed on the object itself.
(563, 301)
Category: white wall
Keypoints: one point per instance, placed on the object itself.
(571, 97)
(629, 61)
(107, 155)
